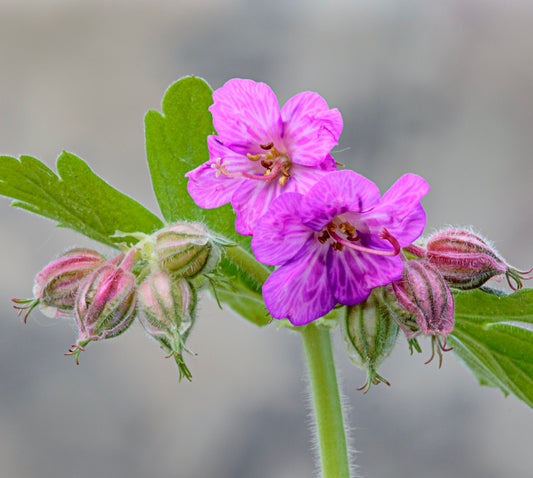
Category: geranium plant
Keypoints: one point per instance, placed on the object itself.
(255, 210)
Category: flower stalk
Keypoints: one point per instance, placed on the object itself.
(326, 402)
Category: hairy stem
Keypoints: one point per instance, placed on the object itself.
(257, 271)
(326, 401)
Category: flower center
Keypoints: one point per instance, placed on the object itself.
(275, 164)
(344, 234)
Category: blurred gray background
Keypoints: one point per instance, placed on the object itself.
(442, 89)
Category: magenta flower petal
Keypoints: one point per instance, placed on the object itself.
(250, 203)
(343, 191)
(280, 234)
(311, 128)
(206, 185)
(299, 290)
(400, 210)
(353, 275)
(246, 114)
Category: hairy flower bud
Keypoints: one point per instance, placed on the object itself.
(186, 249)
(466, 261)
(423, 292)
(106, 302)
(169, 308)
(370, 334)
(57, 284)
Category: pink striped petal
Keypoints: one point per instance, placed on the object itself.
(280, 234)
(246, 114)
(299, 290)
(311, 128)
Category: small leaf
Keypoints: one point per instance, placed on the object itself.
(176, 142)
(493, 336)
(76, 198)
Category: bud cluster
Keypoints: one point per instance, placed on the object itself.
(154, 280)
(421, 302)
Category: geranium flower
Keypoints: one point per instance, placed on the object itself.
(262, 151)
(336, 243)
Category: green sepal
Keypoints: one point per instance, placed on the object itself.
(75, 197)
(493, 337)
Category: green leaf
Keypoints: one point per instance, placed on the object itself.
(176, 143)
(76, 198)
(493, 336)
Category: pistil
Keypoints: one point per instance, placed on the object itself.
(350, 240)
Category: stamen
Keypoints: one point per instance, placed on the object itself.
(273, 161)
(384, 234)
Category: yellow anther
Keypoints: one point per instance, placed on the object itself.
(253, 157)
(269, 155)
(283, 180)
(266, 146)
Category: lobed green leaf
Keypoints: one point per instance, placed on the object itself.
(493, 336)
(75, 198)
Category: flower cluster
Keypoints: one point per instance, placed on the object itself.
(333, 237)
(332, 234)
(153, 280)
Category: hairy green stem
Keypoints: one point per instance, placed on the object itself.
(257, 271)
(326, 401)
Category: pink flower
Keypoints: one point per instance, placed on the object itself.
(336, 243)
(262, 151)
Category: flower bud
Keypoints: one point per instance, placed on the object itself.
(56, 285)
(186, 249)
(465, 260)
(106, 302)
(369, 334)
(169, 306)
(423, 292)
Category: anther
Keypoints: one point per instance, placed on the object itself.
(253, 157)
(324, 237)
(266, 146)
(337, 246)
